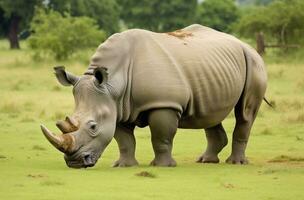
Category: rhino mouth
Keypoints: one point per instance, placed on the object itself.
(83, 160)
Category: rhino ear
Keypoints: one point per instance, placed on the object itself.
(65, 78)
(101, 75)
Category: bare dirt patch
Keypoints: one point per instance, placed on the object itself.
(146, 174)
(228, 185)
(36, 176)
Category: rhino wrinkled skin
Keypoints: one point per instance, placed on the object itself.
(191, 78)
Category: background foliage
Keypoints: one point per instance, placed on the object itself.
(105, 12)
(158, 15)
(281, 21)
(218, 14)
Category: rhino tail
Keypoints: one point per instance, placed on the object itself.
(268, 103)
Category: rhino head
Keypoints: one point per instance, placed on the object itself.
(86, 133)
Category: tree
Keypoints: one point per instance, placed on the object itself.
(158, 15)
(281, 20)
(262, 2)
(62, 35)
(16, 13)
(3, 23)
(105, 12)
(253, 2)
(252, 21)
(217, 14)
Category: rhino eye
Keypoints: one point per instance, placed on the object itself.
(92, 127)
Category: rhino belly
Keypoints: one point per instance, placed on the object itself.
(207, 121)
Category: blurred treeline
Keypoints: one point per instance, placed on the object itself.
(282, 21)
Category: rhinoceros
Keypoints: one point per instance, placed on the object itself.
(190, 78)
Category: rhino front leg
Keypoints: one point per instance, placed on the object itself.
(163, 125)
(217, 140)
(125, 139)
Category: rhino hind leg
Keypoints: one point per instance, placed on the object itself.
(245, 113)
(241, 133)
(217, 140)
(125, 139)
(248, 105)
(163, 125)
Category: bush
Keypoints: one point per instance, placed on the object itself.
(62, 35)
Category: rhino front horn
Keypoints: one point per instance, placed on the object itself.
(64, 143)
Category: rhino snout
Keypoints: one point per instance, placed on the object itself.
(83, 161)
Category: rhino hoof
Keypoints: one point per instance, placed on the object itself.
(237, 160)
(208, 159)
(125, 163)
(163, 162)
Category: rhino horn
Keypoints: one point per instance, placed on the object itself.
(68, 125)
(72, 121)
(64, 143)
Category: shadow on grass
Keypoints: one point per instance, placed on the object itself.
(51, 183)
(285, 158)
(39, 148)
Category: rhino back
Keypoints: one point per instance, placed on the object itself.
(200, 74)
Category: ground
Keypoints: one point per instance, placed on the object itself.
(30, 168)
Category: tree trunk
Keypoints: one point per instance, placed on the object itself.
(13, 32)
(283, 36)
(260, 43)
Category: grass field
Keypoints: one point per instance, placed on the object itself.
(30, 168)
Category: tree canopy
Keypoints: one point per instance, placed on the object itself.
(105, 12)
(281, 19)
(254, 2)
(217, 14)
(15, 14)
(158, 15)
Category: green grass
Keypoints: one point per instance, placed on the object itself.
(30, 168)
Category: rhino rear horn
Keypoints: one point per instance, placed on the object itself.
(68, 125)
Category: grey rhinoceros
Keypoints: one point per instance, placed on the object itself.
(191, 78)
